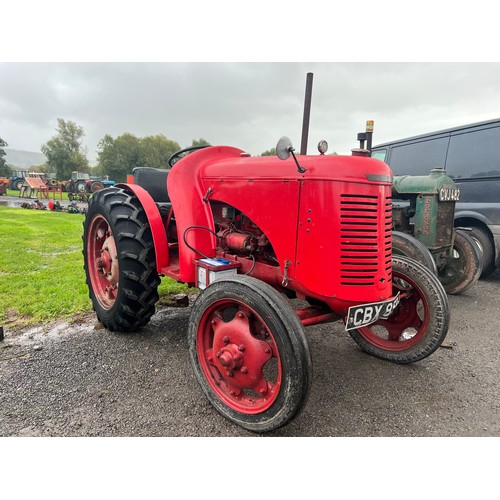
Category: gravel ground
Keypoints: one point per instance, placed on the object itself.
(79, 380)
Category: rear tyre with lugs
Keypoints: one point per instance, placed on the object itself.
(119, 260)
(418, 325)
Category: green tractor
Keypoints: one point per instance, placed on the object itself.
(423, 210)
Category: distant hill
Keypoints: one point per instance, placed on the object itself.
(23, 159)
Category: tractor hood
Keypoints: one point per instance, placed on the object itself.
(319, 167)
(437, 182)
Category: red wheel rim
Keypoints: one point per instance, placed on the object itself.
(239, 357)
(102, 262)
(407, 325)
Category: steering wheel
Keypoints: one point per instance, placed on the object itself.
(176, 156)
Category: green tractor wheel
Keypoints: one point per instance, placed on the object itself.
(463, 264)
(408, 246)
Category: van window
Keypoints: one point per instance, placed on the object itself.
(380, 154)
(474, 154)
(419, 158)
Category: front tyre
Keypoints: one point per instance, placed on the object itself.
(249, 353)
(418, 325)
(119, 260)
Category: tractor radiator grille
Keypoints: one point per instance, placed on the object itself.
(444, 223)
(366, 239)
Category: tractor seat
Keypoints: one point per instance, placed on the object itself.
(154, 181)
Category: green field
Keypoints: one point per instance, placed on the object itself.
(41, 268)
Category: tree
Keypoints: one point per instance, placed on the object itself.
(269, 152)
(200, 142)
(64, 151)
(118, 157)
(156, 150)
(4, 169)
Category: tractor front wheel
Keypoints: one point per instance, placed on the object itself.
(463, 265)
(249, 353)
(418, 325)
(119, 260)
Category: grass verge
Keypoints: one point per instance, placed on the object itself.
(41, 268)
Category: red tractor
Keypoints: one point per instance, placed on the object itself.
(255, 235)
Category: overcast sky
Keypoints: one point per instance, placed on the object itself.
(248, 105)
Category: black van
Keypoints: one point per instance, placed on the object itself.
(471, 156)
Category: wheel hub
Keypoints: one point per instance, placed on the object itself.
(239, 356)
(230, 357)
(107, 262)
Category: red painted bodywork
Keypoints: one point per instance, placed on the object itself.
(331, 225)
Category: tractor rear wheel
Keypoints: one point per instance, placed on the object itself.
(249, 353)
(96, 186)
(80, 187)
(463, 266)
(418, 325)
(409, 246)
(119, 260)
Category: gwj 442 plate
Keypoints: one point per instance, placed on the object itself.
(366, 314)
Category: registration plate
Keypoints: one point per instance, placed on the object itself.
(366, 314)
(449, 194)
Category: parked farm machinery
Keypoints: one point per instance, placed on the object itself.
(255, 234)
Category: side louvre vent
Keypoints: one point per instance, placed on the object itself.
(365, 231)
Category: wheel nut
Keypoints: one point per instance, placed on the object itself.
(241, 348)
(244, 369)
(225, 339)
(268, 350)
(229, 373)
(262, 391)
(241, 315)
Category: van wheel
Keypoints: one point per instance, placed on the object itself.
(485, 242)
